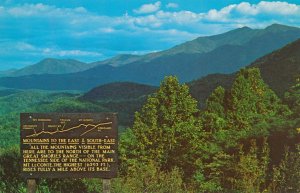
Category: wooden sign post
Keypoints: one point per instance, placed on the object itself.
(69, 145)
(106, 186)
(31, 186)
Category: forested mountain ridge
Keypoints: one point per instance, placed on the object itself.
(118, 91)
(52, 66)
(279, 70)
(224, 53)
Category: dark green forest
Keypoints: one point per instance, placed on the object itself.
(245, 140)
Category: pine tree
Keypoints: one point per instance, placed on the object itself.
(213, 117)
(253, 104)
(239, 119)
(166, 130)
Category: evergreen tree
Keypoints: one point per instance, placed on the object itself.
(240, 122)
(213, 117)
(166, 130)
(292, 98)
(252, 104)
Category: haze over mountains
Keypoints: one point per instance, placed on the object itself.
(52, 66)
(224, 53)
(279, 70)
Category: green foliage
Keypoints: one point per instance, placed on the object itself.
(33, 101)
(165, 131)
(66, 105)
(10, 180)
(174, 147)
(65, 185)
(42, 101)
(250, 168)
(24, 100)
(292, 97)
(118, 91)
(149, 178)
(213, 117)
(9, 130)
(251, 104)
(239, 120)
(286, 176)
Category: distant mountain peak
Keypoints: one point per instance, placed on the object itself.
(57, 60)
(245, 28)
(223, 53)
(126, 55)
(52, 66)
(279, 27)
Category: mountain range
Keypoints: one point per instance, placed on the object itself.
(279, 70)
(52, 66)
(224, 53)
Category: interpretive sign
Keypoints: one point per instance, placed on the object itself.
(75, 145)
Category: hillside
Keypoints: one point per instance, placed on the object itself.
(278, 69)
(118, 60)
(118, 91)
(281, 68)
(7, 72)
(224, 53)
(202, 88)
(52, 66)
(206, 44)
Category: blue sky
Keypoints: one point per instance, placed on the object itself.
(93, 30)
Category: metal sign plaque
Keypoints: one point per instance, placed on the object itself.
(69, 145)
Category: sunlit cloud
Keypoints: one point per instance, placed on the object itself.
(148, 8)
(172, 5)
(41, 30)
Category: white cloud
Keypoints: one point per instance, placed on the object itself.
(245, 11)
(149, 20)
(23, 46)
(1, 9)
(262, 8)
(148, 8)
(107, 30)
(38, 10)
(77, 32)
(77, 53)
(180, 17)
(277, 7)
(30, 10)
(80, 10)
(82, 22)
(246, 8)
(172, 5)
(10, 48)
(68, 53)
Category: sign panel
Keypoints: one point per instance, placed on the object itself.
(75, 145)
